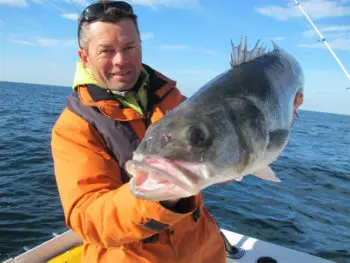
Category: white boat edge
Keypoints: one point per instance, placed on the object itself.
(255, 249)
(49, 249)
(250, 249)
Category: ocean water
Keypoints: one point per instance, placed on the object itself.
(309, 211)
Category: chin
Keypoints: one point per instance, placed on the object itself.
(119, 87)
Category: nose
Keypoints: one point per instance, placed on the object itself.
(119, 58)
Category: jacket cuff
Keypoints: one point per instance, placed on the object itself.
(157, 217)
(183, 206)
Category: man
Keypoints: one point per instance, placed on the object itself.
(115, 99)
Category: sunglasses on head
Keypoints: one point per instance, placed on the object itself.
(95, 11)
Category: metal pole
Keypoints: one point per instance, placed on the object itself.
(323, 40)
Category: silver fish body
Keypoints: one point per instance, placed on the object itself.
(235, 125)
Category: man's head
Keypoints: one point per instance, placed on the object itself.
(110, 44)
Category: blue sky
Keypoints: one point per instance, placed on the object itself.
(187, 40)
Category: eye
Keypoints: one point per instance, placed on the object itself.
(198, 136)
(106, 51)
(130, 50)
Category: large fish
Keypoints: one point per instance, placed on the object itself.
(235, 125)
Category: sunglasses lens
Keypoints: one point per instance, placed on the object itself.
(97, 10)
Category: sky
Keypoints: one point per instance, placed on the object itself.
(187, 40)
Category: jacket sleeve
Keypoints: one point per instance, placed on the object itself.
(96, 204)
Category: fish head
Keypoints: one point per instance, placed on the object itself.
(195, 146)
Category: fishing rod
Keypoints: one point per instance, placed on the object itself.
(324, 41)
(75, 6)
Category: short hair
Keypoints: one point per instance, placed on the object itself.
(110, 15)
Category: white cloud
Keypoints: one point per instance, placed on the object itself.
(146, 36)
(48, 42)
(23, 42)
(79, 2)
(166, 3)
(278, 38)
(313, 45)
(18, 3)
(38, 1)
(72, 42)
(150, 3)
(45, 42)
(175, 47)
(330, 30)
(334, 35)
(71, 16)
(340, 44)
(315, 8)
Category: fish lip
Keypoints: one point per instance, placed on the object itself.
(159, 194)
(181, 178)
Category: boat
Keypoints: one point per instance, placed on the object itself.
(67, 248)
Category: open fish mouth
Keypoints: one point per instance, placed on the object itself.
(158, 178)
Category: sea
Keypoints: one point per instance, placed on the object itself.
(308, 211)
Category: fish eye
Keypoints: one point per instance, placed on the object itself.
(198, 136)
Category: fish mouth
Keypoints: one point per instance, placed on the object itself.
(158, 178)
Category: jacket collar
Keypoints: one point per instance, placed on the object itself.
(91, 94)
(83, 77)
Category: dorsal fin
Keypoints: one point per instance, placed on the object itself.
(240, 55)
(275, 46)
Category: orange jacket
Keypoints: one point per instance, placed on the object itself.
(114, 224)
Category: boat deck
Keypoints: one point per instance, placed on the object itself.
(245, 248)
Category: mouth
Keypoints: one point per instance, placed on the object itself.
(158, 178)
(120, 75)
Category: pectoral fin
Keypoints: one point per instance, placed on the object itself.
(266, 173)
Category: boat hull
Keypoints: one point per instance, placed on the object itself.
(67, 248)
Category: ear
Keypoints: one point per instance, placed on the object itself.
(83, 56)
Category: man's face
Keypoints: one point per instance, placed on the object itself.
(113, 54)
